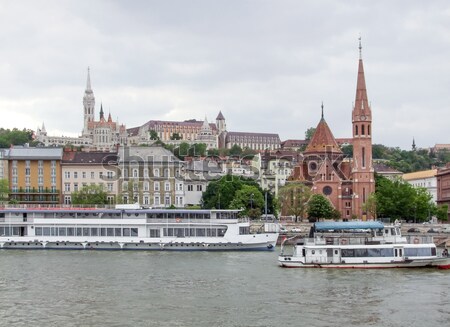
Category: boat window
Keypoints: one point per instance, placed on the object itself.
(46, 231)
(178, 232)
(221, 232)
(313, 252)
(134, 232)
(79, 231)
(154, 233)
(126, 232)
(419, 252)
(70, 231)
(103, 231)
(118, 231)
(37, 231)
(86, 231)
(110, 231)
(62, 231)
(94, 231)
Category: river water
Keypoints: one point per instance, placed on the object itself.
(100, 288)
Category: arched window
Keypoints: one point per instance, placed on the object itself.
(368, 130)
(363, 159)
(356, 129)
(363, 130)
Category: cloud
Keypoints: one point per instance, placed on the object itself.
(267, 65)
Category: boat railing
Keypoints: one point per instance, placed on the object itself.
(354, 239)
(419, 239)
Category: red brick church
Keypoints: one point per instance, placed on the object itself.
(346, 182)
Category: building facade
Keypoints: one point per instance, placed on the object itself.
(35, 175)
(443, 187)
(426, 179)
(80, 169)
(150, 176)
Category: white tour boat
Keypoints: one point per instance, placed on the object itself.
(131, 229)
(361, 245)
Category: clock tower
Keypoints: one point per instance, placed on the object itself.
(362, 168)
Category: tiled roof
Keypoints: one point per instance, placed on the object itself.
(323, 140)
(77, 157)
(35, 153)
(385, 169)
(420, 174)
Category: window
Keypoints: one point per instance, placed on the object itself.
(110, 187)
(356, 129)
(156, 172)
(167, 201)
(92, 175)
(146, 186)
(67, 187)
(135, 172)
(100, 174)
(363, 153)
(27, 172)
(190, 187)
(146, 172)
(67, 174)
(75, 174)
(179, 186)
(363, 131)
(83, 174)
(167, 187)
(199, 188)
(75, 187)
(156, 187)
(157, 201)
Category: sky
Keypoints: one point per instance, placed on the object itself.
(267, 65)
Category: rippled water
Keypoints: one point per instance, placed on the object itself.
(90, 288)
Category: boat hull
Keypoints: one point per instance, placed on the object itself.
(135, 245)
(440, 263)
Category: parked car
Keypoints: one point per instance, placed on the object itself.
(283, 230)
(432, 230)
(413, 230)
(296, 230)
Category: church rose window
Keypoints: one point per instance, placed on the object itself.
(327, 190)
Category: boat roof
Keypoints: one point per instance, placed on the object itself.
(340, 225)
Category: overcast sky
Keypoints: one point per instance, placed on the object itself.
(267, 65)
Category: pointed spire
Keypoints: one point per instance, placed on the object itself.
(109, 118)
(361, 102)
(102, 115)
(414, 145)
(88, 82)
(220, 116)
(43, 127)
(360, 48)
(322, 112)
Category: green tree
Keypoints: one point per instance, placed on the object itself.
(293, 199)
(442, 212)
(4, 190)
(250, 199)
(153, 135)
(319, 207)
(370, 205)
(176, 136)
(90, 194)
(397, 199)
(309, 133)
(15, 137)
(235, 150)
(220, 194)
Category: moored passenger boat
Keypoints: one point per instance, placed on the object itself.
(361, 245)
(130, 229)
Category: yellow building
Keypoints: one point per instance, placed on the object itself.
(35, 175)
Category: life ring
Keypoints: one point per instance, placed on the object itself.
(343, 241)
(416, 241)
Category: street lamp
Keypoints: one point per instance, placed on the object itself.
(251, 200)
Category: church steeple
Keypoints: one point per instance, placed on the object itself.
(88, 104)
(102, 114)
(362, 168)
